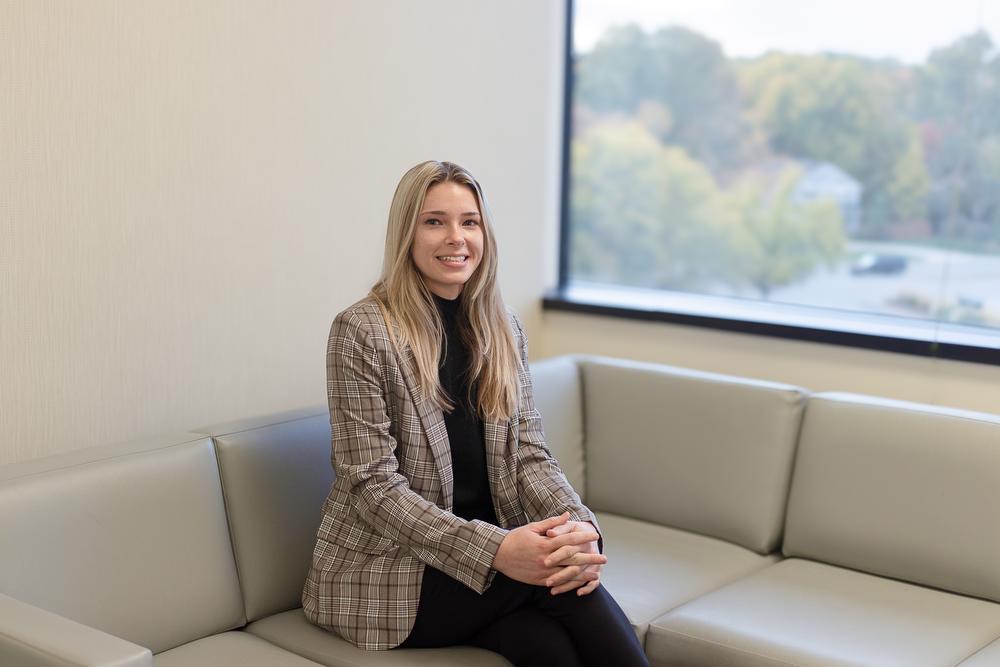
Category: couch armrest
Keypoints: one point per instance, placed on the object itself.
(33, 637)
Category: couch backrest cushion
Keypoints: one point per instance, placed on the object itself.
(276, 472)
(899, 489)
(707, 453)
(559, 401)
(131, 540)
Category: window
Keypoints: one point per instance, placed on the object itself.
(828, 171)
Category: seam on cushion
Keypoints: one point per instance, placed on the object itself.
(735, 649)
(790, 479)
(232, 534)
(889, 577)
(695, 374)
(581, 396)
(34, 649)
(930, 409)
(320, 410)
(978, 650)
(709, 591)
(112, 457)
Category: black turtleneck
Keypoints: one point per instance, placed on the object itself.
(465, 429)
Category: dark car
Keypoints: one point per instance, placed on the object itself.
(872, 262)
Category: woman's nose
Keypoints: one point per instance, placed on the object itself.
(455, 236)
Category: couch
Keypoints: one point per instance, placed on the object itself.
(745, 522)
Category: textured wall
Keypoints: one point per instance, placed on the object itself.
(190, 190)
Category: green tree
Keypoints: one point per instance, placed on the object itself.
(778, 239)
(644, 214)
(614, 75)
(678, 74)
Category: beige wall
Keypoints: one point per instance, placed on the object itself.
(811, 365)
(191, 189)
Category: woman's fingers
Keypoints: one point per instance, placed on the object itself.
(589, 588)
(545, 524)
(583, 572)
(561, 554)
(574, 555)
(561, 530)
(574, 537)
(588, 576)
(563, 575)
(584, 558)
(567, 587)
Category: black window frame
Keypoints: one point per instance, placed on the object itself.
(787, 322)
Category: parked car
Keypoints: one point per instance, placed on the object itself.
(874, 262)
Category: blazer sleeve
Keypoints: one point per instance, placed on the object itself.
(543, 488)
(364, 455)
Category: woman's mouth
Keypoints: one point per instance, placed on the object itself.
(453, 260)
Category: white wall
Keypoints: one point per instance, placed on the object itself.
(190, 190)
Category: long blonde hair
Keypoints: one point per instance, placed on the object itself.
(406, 301)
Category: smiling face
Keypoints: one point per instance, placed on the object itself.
(448, 242)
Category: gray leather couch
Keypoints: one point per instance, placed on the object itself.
(746, 523)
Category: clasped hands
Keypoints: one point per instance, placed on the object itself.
(555, 552)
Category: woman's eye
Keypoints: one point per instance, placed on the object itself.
(432, 221)
(471, 222)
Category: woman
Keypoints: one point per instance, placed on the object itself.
(448, 521)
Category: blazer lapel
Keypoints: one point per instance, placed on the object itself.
(432, 420)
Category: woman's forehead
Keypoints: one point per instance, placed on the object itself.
(450, 197)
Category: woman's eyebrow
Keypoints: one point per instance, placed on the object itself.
(467, 213)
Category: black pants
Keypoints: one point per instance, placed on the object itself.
(526, 624)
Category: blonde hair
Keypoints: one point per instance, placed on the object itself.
(406, 301)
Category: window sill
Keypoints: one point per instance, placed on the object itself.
(923, 338)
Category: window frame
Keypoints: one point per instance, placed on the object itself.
(781, 321)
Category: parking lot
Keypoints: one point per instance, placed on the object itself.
(960, 287)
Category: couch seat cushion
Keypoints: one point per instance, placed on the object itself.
(230, 649)
(799, 612)
(290, 630)
(652, 569)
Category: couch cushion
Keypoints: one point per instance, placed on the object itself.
(276, 472)
(131, 540)
(813, 615)
(652, 569)
(560, 403)
(706, 453)
(290, 630)
(899, 489)
(230, 649)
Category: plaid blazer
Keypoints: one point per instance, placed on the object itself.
(389, 509)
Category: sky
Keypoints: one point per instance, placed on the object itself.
(904, 30)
